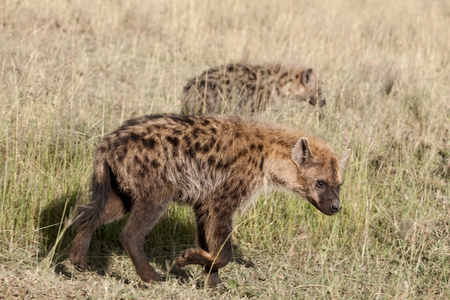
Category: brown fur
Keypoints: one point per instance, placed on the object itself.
(216, 164)
(248, 88)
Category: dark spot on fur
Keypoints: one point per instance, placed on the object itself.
(237, 134)
(284, 144)
(187, 140)
(244, 192)
(173, 140)
(115, 144)
(163, 177)
(134, 137)
(260, 147)
(195, 132)
(226, 165)
(155, 164)
(217, 209)
(230, 68)
(218, 145)
(102, 149)
(208, 146)
(120, 156)
(177, 132)
(123, 139)
(182, 119)
(254, 162)
(139, 148)
(144, 168)
(261, 165)
(154, 117)
(285, 74)
(190, 152)
(211, 160)
(233, 160)
(149, 143)
(252, 146)
(213, 130)
(205, 122)
(197, 146)
(200, 165)
(243, 152)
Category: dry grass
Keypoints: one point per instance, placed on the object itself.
(71, 71)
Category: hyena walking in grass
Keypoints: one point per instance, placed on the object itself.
(247, 88)
(216, 164)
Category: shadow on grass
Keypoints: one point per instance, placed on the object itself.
(173, 233)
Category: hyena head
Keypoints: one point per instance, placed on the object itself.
(301, 84)
(319, 174)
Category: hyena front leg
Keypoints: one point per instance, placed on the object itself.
(214, 249)
(144, 215)
(116, 206)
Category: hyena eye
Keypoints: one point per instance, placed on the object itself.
(320, 183)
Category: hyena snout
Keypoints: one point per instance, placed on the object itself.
(335, 207)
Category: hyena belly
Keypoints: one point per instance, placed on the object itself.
(214, 164)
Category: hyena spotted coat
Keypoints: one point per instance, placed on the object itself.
(248, 88)
(216, 164)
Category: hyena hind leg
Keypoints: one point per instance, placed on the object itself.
(143, 217)
(116, 207)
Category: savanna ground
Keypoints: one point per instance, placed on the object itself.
(71, 71)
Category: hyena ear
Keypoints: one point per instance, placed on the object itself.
(306, 76)
(301, 153)
(342, 159)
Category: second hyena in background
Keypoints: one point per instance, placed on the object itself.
(248, 88)
(215, 164)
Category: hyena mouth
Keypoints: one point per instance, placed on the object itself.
(318, 206)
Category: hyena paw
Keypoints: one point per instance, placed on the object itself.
(79, 262)
(182, 261)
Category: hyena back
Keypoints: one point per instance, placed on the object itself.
(248, 88)
(216, 164)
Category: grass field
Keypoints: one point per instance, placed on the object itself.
(72, 71)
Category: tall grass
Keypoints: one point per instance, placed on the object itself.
(72, 71)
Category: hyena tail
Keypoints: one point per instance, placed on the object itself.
(102, 191)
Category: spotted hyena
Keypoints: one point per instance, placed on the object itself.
(216, 164)
(247, 88)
